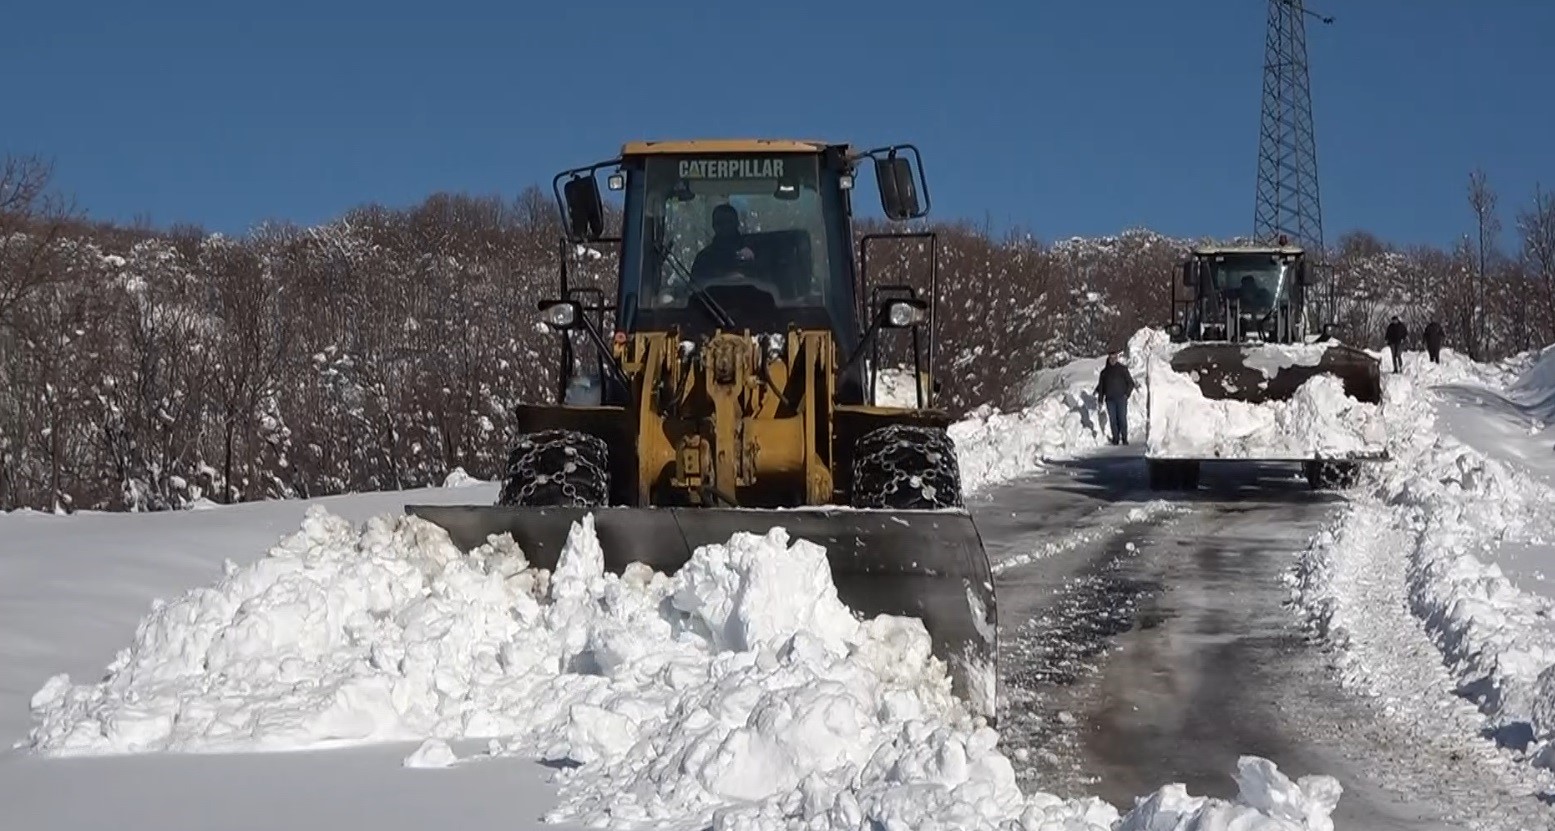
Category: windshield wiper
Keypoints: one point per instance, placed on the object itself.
(721, 317)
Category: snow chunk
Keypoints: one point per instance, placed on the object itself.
(458, 478)
(433, 753)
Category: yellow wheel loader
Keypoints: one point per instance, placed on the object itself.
(733, 389)
(1242, 330)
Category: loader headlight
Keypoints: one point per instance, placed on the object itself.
(900, 314)
(560, 314)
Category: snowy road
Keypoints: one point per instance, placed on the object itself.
(1150, 642)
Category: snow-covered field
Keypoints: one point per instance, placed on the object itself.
(1456, 537)
(737, 693)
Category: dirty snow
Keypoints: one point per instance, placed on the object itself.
(739, 693)
(1449, 531)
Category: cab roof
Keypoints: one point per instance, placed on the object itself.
(734, 145)
(1211, 250)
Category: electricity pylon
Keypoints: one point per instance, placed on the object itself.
(1288, 201)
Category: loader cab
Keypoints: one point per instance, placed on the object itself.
(1244, 293)
(751, 235)
(737, 240)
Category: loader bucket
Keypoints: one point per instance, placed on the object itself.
(1237, 371)
(928, 564)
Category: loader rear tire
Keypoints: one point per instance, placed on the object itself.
(557, 468)
(906, 467)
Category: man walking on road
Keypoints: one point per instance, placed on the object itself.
(1396, 334)
(1433, 341)
(1114, 387)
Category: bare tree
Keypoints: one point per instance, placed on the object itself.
(1483, 202)
(1536, 225)
(32, 220)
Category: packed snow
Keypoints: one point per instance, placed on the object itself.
(739, 693)
(1469, 531)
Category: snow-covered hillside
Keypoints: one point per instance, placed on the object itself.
(738, 693)
(1457, 534)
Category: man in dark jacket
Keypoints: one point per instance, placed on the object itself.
(1114, 387)
(1433, 341)
(1396, 334)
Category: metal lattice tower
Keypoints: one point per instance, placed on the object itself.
(1288, 199)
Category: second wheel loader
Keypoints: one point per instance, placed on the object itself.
(1245, 334)
(733, 389)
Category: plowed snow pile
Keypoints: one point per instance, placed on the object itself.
(1063, 419)
(739, 694)
(1436, 519)
(1319, 420)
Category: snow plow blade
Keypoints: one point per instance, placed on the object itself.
(1234, 371)
(927, 564)
(1243, 402)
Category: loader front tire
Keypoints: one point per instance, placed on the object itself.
(557, 468)
(906, 467)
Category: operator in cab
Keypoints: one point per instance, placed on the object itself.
(727, 252)
(1252, 295)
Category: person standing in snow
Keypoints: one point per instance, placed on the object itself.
(1433, 341)
(1395, 335)
(1114, 387)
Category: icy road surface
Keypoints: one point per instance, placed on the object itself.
(1149, 640)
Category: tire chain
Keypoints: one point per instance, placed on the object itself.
(906, 466)
(557, 468)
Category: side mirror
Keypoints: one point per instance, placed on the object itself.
(1301, 273)
(898, 191)
(1189, 272)
(561, 315)
(585, 208)
(903, 313)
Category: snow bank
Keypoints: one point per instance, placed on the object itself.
(1534, 389)
(1447, 510)
(1318, 421)
(738, 694)
(1063, 419)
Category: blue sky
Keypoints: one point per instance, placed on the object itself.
(1058, 118)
